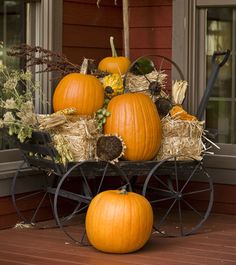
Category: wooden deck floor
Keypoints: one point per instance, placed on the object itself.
(214, 244)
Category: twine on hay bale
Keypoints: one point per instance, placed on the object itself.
(181, 138)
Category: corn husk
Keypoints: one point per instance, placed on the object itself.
(179, 88)
(182, 138)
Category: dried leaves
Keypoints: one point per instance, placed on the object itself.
(49, 60)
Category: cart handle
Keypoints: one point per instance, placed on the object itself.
(219, 53)
(211, 80)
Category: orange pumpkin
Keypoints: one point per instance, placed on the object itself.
(134, 117)
(114, 64)
(81, 91)
(119, 221)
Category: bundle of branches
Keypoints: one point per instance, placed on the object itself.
(49, 60)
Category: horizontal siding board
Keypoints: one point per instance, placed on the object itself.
(151, 38)
(76, 54)
(226, 208)
(136, 53)
(92, 37)
(82, 14)
(158, 16)
(136, 3)
(94, 2)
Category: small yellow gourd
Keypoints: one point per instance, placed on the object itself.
(115, 82)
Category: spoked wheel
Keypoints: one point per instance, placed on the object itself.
(34, 203)
(77, 188)
(181, 193)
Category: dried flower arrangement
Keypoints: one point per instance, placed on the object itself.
(48, 60)
(17, 90)
(51, 61)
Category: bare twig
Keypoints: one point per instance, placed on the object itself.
(51, 61)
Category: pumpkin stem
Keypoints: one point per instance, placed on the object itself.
(123, 190)
(113, 49)
(84, 66)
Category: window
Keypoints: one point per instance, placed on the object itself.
(199, 28)
(221, 35)
(36, 22)
(12, 24)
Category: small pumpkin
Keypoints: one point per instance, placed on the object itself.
(81, 91)
(177, 112)
(119, 221)
(114, 64)
(134, 117)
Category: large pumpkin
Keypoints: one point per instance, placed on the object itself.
(119, 221)
(114, 64)
(81, 91)
(134, 117)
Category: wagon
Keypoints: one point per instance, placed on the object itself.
(180, 191)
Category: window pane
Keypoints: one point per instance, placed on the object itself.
(12, 32)
(219, 120)
(221, 35)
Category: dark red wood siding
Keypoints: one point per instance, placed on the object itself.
(150, 27)
(87, 28)
(151, 32)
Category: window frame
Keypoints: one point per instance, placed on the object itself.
(186, 45)
(44, 28)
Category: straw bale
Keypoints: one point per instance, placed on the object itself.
(81, 136)
(181, 138)
(140, 83)
(74, 136)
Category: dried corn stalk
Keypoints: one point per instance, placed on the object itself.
(178, 91)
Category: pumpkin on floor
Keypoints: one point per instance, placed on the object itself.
(81, 91)
(134, 117)
(118, 221)
(114, 64)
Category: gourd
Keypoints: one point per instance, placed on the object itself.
(177, 112)
(134, 117)
(119, 221)
(114, 63)
(81, 91)
(113, 85)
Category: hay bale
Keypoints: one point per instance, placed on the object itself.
(81, 136)
(74, 136)
(140, 83)
(181, 138)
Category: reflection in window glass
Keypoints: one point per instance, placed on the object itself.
(12, 32)
(220, 113)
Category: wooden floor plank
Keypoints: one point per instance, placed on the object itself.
(214, 244)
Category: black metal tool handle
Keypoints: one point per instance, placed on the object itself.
(216, 67)
(219, 53)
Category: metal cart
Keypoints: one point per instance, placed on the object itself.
(181, 192)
